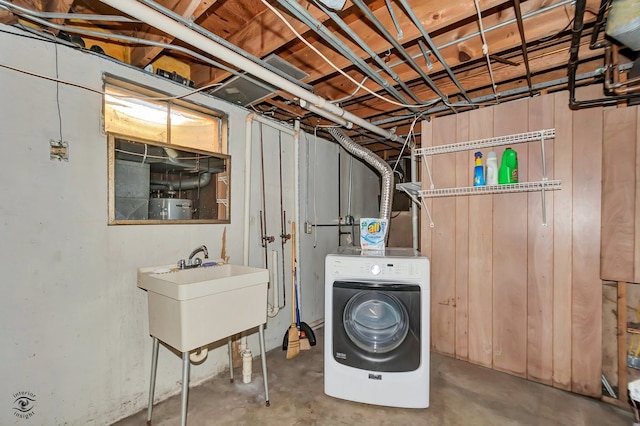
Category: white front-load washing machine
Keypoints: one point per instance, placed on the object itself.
(377, 327)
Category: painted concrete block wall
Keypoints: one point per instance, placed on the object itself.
(272, 157)
(74, 324)
(325, 169)
(318, 206)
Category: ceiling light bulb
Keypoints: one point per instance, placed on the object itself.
(172, 153)
(334, 4)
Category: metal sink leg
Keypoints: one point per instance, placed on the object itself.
(186, 364)
(152, 385)
(230, 348)
(263, 358)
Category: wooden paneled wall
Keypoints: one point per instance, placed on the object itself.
(507, 292)
(621, 196)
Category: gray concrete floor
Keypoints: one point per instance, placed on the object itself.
(461, 394)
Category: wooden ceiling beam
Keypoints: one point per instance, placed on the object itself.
(475, 79)
(263, 34)
(267, 33)
(141, 56)
(510, 77)
(501, 40)
(8, 18)
(57, 6)
(434, 16)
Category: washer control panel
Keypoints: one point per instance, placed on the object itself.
(378, 268)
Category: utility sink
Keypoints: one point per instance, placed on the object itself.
(190, 308)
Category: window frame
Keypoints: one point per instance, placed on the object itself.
(222, 141)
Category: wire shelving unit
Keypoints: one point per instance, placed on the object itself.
(419, 195)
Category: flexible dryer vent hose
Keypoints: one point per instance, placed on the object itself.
(386, 173)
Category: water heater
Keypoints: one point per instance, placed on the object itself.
(169, 208)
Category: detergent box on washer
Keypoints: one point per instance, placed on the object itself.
(372, 233)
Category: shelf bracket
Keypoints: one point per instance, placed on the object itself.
(426, 166)
(426, 210)
(411, 189)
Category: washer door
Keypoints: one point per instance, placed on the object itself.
(376, 322)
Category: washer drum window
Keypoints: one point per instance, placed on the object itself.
(375, 321)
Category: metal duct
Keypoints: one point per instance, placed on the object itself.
(386, 173)
(188, 23)
(623, 23)
(195, 39)
(185, 184)
(31, 15)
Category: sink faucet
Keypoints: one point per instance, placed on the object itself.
(191, 262)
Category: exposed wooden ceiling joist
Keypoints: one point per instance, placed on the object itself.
(453, 27)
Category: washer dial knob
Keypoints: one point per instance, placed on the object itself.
(375, 269)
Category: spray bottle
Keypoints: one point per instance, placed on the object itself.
(478, 172)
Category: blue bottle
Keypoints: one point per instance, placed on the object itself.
(478, 172)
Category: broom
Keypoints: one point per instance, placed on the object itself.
(304, 340)
(293, 345)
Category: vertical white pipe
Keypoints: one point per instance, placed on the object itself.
(244, 345)
(247, 187)
(296, 189)
(246, 366)
(414, 206)
(274, 262)
(273, 310)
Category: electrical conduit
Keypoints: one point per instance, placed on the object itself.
(188, 35)
(243, 345)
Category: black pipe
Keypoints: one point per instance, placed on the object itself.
(598, 25)
(572, 66)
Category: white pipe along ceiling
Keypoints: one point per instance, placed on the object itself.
(190, 36)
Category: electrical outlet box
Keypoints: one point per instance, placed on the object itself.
(634, 390)
(307, 227)
(58, 150)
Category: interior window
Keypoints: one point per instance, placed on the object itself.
(167, 162)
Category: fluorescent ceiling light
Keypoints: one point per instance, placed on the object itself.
(145, 111)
